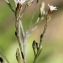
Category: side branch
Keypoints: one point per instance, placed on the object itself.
(40, 18)
(39, 47)
(21, 27)
(24, 41)
(33, 16)
(8, 3)
(28, 3)
(4, 56)
(29, 31)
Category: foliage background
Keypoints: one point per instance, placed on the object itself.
(52, 42)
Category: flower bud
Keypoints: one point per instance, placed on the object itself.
(42, 11)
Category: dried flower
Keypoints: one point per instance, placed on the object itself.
(51, 8)
(19, 1)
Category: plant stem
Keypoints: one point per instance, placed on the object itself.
(48, 18)
(24, 48)
(4, 56)
(9, 4)
(24, 41)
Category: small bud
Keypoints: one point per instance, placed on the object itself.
(19, 5)
(37, 46)
(42, 11)
(34, 44)
(34, 47)
(1, 60)
(18, 57)
(22, 55)
(15, 33)
(41, 35)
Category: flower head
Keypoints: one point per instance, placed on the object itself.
(19, 1)
(51, 7)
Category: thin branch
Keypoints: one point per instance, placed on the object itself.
(21, 27)
(40, 18)
(48, 18)
(22, 12)
(36, 56)
(8, 3)
(33, 15)
(24, 41)
(41, 37)
(29, 31)
(4, 56)
(27, 4)
(24, 48)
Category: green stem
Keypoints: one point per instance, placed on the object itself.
(41, 37)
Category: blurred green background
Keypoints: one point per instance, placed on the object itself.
(52, 42)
